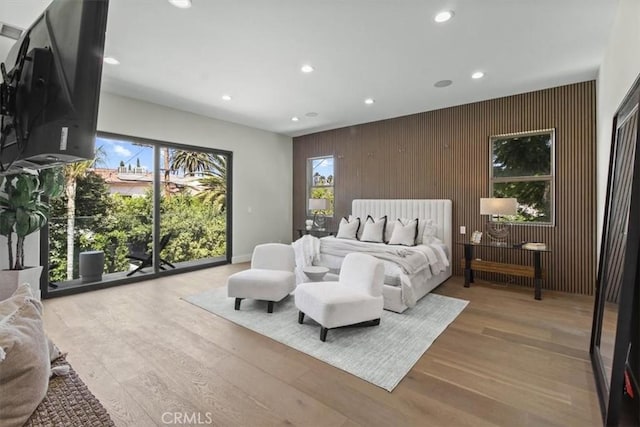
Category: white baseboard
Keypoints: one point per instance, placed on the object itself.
(240, 258)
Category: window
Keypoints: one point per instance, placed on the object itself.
(320, 182)
(522, 167)
(134, 193)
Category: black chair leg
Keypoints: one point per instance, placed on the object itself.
(301, 317)
(269, 306)
(139, 268)
(323, 333)
(237, 305)
(164, 261)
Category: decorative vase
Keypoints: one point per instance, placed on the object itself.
(309, 224)
(10, 279)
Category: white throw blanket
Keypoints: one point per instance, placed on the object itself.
(306, 251)
(438, 261)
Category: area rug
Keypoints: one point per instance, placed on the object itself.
(69, 403)
(381, 355)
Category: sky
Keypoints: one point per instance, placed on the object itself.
(325, 168)
(116, 150)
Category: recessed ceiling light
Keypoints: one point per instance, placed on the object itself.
(182, 4)
(443, 83)
(477, 75)
(443, 16)
(369, 101)
(306, 68)
(110, 60)
(294, 119)
(226, 97)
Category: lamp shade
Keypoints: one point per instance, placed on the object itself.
(318, 204)
(498, 206)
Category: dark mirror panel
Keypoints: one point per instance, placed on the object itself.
(615, 312)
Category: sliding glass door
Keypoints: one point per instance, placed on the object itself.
(193, 206)
(136, 197)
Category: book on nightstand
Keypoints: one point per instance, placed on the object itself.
(533, 246)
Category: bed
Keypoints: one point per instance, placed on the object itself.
(402, 288)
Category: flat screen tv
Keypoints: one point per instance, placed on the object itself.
(51, 87)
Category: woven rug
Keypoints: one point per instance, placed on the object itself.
(69, 403)
(381, 355)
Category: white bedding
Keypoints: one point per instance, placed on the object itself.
(406, 267)
(410, 259)
(392, 271)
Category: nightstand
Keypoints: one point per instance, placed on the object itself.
(317, 232)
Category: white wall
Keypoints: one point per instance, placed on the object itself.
(31, 251)
(618, 71)
(262, 163)
(31, 248)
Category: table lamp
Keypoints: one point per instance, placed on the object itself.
(316, 205)
(498, 207)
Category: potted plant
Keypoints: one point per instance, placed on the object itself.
(22, 212)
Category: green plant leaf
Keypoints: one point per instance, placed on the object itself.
(22, 192)
(29, 221)
(52, 182)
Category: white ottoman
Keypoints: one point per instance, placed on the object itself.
(270, 278)
(356, 298)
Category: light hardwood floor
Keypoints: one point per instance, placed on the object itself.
(507, 360)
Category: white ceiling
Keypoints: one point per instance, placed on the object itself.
(390, 50)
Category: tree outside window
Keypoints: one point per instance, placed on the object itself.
(320, 183)
(522, 167)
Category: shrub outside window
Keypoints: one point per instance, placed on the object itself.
(320, 183)
(522, 166)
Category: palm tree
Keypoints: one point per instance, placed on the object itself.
(219, 167)
(72, 172)
(166, 155)
(214, 192)
(192, 162)
(214, 183)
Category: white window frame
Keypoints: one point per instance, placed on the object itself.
(310, 185)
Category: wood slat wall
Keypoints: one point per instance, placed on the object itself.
(444, 154)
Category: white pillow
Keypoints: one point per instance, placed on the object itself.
(374, 229)
(429, 233)
(351, 218)
(405, 234)
(426, 230)
(388, 231)
(24, 357)
(348, 229)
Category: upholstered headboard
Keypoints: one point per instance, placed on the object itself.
(438, 210)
